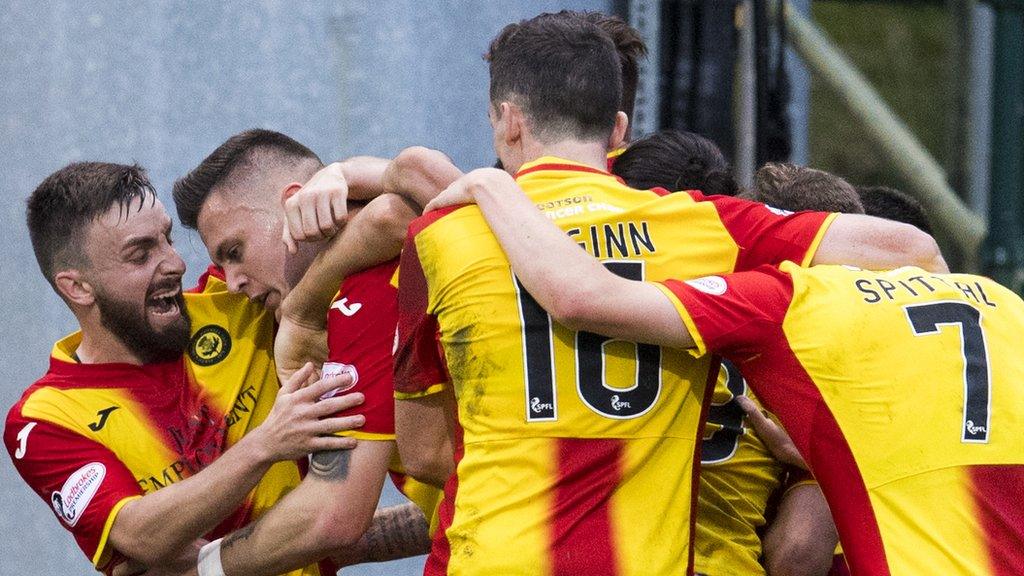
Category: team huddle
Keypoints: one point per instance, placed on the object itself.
(599, 357)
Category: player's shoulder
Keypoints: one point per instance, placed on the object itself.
(435, 218)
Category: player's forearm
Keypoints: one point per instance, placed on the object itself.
(329, 510)
(158, 527)
(878, 244)
(374, 236)
(420, 174)
(365, 176)
(396, 532)
(802, 538)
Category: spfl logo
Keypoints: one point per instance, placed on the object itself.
(536, 406)
(210, 344)
(617, 404)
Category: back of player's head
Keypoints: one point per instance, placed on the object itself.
(631, 48)
(241, 157)
(63, 206)
(562, 71)
(892, 204)
(675, 160)
(799, 188)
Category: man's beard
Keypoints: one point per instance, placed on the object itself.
(129, 323)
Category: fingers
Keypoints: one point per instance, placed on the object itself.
(340, 424)
(325, 216)
(298, 379)
(338, 403)
(317, 390)
(328, 443)
(752, 411)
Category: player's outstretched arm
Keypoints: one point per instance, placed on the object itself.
(878, 244)
(802, 538)
(420, 174)
(329, 510)
(155, 529)
(374, 235)
(318, 209)
(571, 285)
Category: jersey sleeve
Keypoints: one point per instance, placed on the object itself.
(81, 481)
(768, 235)
(732, 315)
(420, 368)
(360, 339)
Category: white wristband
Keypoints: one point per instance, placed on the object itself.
(209, 560)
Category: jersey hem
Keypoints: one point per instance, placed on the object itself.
(813, 248)
(102, 555)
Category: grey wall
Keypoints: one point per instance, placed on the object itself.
(163, 83)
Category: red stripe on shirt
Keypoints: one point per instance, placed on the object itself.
(999, 498)
(709, 391)
(589, 470)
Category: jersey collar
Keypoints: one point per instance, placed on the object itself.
(556, 164)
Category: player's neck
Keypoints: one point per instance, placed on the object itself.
(589, 153)
(101, 346)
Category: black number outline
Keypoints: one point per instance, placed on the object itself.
(541, 397)
(724, 415)
(926, 319)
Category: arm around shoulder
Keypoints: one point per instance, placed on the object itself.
(878, 244)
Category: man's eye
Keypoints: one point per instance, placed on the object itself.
(234, 254)
(138, 257)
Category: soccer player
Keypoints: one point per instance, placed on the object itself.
(801, 188)
(156, 423)
(235, 197)
(907, 408)
(563, 434)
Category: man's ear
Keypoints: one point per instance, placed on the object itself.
(617, 139)
(289, 191)
(73, 286)
(513, 118)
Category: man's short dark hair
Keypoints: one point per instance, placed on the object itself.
(62, 207)
(675, 160)
(799, 188)
(243, 150)
(631, 48)
(563, 71)
(892, 204)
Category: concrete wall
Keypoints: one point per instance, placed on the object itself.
(163, 83)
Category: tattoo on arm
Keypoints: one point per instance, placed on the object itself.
(396, 532)
(237, 536)
(331, 465)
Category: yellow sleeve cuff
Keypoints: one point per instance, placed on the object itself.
(813, 248)
(420, 394)
(699, 348)
(103, 552)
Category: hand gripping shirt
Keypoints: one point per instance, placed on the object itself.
(89, 438)
(361, 327)
(902, 390)
(577, 452)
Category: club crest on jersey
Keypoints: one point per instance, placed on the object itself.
(77, 492)
(714, 285)
(210, 344)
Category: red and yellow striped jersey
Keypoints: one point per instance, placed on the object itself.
(903, 392)
(738, 478)
(88, 438)
(577, 449)
(360, 340)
